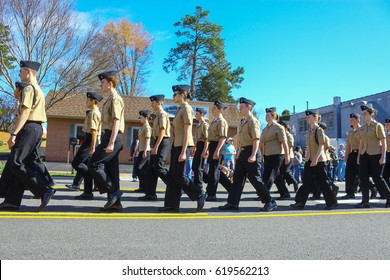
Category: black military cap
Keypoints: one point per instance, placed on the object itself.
(270, 110)
(94, 95)
(354, 115)
(219, 105)
(322, 125)
(159, 97)
(181, 88)
(247, 101)
(103, 75)
(387, 120)
(311, 112)
(145, 113)
(366, 106)
(201, 110)
(30, 64)
(20, 85)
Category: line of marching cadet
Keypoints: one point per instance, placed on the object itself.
(367, 152)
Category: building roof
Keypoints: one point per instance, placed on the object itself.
(74, 108)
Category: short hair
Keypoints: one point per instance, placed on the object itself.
(275, 115)
(372, 111)
(113, 80)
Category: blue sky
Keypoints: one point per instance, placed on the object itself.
(292, 51)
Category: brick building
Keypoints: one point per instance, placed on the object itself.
(336, 116)
(66, 118)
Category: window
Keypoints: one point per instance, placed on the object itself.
(132, 134)
(76, 131)
(328, 119)
(302, 125)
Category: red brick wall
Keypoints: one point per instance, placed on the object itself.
(58, 139)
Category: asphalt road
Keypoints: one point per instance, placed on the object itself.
(71, 229)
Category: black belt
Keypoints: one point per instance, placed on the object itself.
(37, 122)
(354, 151)
(155, 138)
(245, 148)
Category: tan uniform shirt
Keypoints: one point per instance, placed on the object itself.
(371, 136)
(388, 142)
(184, 116)
(290, 144)
(143, 134)
(272, 138)
(161, 121)
(326, 147)
(248, 131)
(202, 131)
(93, 121)
(218, 128)
(353, 138)
(113, 108)
(312, 145)
(38, 111)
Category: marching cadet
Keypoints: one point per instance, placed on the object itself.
(372, 151)
(142, 163)
(6, 178)
(285, 175)
(315, 167)
(273, 142)
(248, 161)
(24, 143)
(181, 150)
(104, 163)
(92, 129)
(216, 149)
(201, 146)
(160, 143)
(351, 155)
(316, 188)
(386, 171)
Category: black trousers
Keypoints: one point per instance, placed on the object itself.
(80, 162)
(141, 166)
(272, 166)
(215, 166)
(319, 174)
(104, 167)
(244, 170)
(223, 180)
(197, 165)
(179, 181)
(316, 190)
(285, 176)
(158, 168)
(23, 165)
(369, 165)
(5, 179)
(386, 170)
(352, 174)
(78, 179)
(39, 167)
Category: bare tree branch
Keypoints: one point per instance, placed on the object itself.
(47, 31)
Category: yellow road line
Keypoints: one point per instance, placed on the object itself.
(157, 216)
